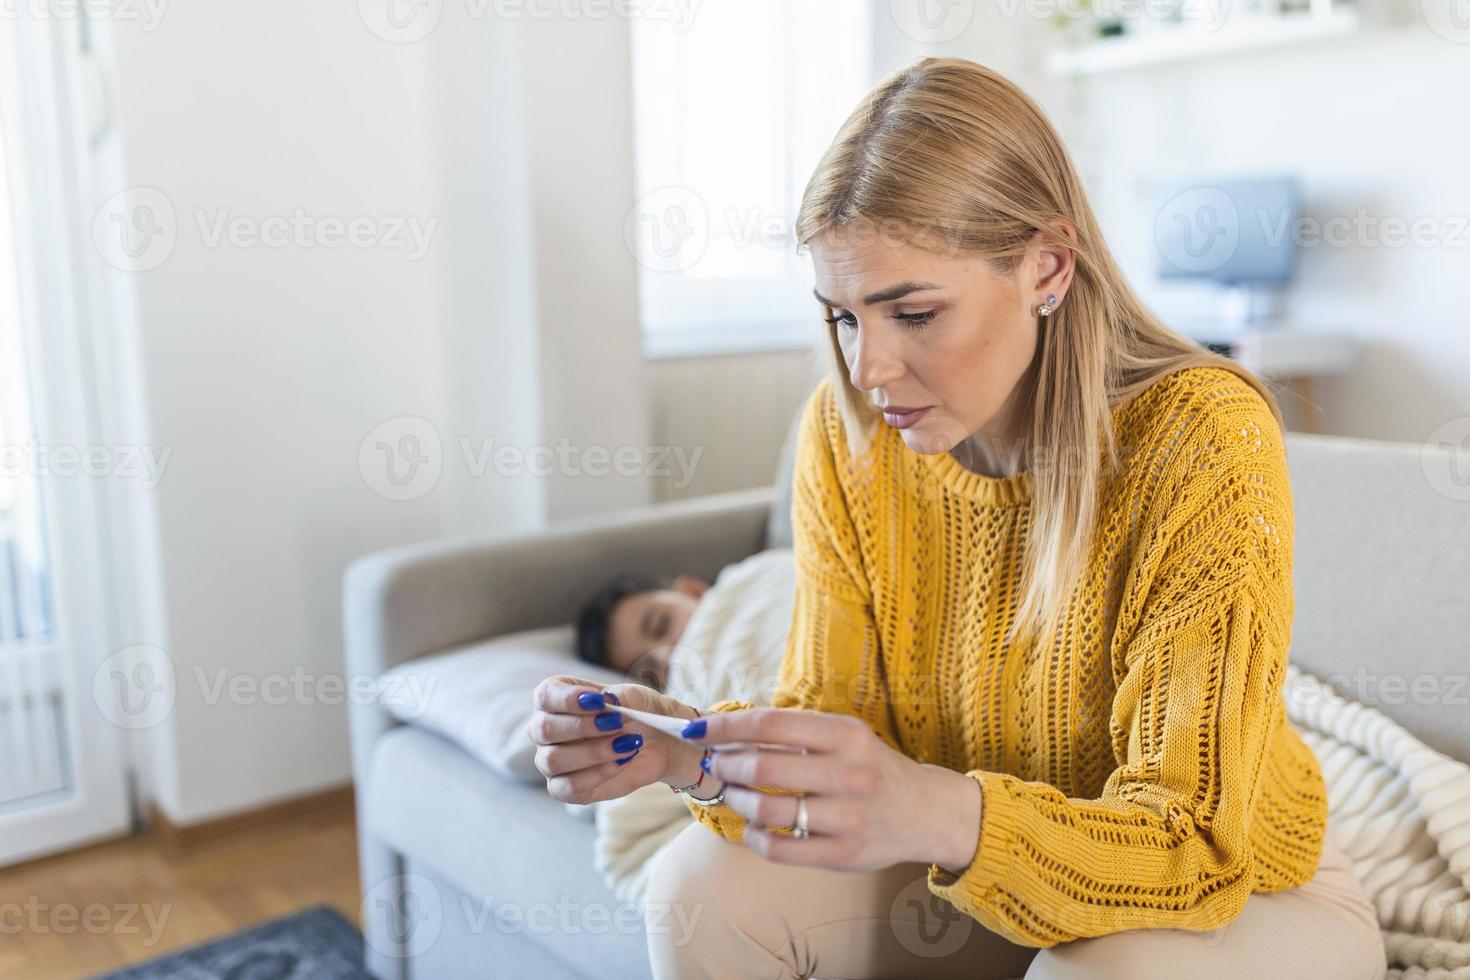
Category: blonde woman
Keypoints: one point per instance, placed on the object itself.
(1029, 719)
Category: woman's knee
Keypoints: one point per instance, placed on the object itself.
(699, 909)
(679, 874)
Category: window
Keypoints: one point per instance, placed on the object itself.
(732, 112)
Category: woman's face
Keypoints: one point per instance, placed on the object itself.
(943, 333)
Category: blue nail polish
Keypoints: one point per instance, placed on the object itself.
(695, 729)
(629, 758)
(624, 743)
(704, 763)
(608, 720)
(591, 701)
(612, 697)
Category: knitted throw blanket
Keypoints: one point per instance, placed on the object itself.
(1401, 812)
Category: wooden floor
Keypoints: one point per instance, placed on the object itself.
(79, 914)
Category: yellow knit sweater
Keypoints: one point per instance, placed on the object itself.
(1140, 772)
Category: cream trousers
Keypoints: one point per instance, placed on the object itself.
(717, 909)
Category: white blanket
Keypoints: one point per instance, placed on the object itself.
(1401, 812)
(731, 648)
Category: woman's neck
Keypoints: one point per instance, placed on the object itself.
(984, 456)
(998, 449)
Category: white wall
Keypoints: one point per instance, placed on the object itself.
(265, 368)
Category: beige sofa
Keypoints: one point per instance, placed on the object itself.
(1382, 576)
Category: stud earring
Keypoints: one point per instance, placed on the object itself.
(1047, 308)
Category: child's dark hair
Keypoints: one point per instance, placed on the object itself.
(597, 612)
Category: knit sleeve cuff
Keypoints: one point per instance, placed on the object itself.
(722, 819)
(973, 890)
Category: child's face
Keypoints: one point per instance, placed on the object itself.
(645, 627)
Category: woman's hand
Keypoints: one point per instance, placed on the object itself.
(868, 806)
(579, 755)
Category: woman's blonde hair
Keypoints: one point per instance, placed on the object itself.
(948, 150)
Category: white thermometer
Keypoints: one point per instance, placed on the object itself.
(675, 727)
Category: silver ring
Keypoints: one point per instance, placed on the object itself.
(799, 828)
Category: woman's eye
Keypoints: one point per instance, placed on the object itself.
(915, 320)
(912, 321)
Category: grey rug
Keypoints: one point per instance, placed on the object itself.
(317, 944)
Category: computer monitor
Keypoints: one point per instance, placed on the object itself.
(1239, 233)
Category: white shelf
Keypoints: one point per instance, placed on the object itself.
(1162, 45)
(1283, 352)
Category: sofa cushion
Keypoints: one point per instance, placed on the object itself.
(480, 695)
(1382, 579)
(504, 845)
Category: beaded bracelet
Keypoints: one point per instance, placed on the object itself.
(695, 785)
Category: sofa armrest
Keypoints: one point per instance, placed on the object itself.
(404, 602)
(413, 600)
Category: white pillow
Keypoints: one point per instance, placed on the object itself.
(479, 696)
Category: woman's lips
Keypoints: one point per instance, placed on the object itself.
(902, 420)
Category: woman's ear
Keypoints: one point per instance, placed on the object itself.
(690, 585)
(1055, 262)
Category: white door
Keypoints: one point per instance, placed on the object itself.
(62, 753)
